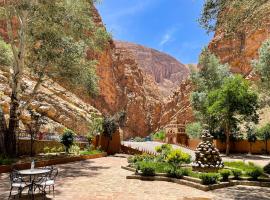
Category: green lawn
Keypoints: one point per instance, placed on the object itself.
(90, 152)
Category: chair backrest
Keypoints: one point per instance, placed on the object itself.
(15, 177)
(54, 173)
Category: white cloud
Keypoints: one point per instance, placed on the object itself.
(167, 37)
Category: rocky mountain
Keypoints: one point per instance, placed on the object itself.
(132, 79)
(165, 70)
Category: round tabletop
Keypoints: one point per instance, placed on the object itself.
(34, 171)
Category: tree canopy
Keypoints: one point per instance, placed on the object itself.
(233, 15)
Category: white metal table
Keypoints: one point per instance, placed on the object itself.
(33, 175)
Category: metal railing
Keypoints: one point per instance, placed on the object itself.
(25, 135)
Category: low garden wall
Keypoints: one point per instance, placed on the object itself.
(242, 146)
(39, 145)
(55, 161)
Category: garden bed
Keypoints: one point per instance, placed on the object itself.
(196, 182)
(45, 160)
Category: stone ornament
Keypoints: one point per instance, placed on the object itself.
(207, 157)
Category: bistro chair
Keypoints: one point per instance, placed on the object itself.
(16, 181)
(48, 180)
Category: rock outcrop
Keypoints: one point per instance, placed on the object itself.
(132, 79)
(165, 70)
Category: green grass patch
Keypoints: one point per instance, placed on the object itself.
(92, 152)
(160, 167)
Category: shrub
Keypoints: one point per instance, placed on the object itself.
(60, 149)
(147, 169)
(160, 135)
(53, 150)
(237, 173)
(170, 171)
(4, 160)
(209, 178)
(67, 139)
(255, 173)
(225, 173)
(47, 149)
(75, 149)
(138, 139)
(266, 168)
(177, 157)
(194, 129)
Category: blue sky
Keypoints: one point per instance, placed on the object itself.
(167, 25)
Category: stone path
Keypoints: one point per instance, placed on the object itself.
(103, 179)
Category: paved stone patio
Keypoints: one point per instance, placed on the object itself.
(103, 179)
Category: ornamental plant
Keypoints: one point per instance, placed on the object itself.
(177, 157)
(67, 139)
(209, 178)
(225, 173)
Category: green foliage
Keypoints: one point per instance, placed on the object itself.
(139, 158)
(251, 134)
(109, 126)
(6, 53)
(264, 132)
(75, 149)
(163, 151)
(177, 173)
(209, 178)
(59, 34)
(194, 129)
(147, 168)
(96, 126)
(255, 173)
(233, 15)
(262, 66)
(177, 157)
(237, 173)
(138, 139)
(92, 152)
(67, 139)
(266, 168)
(225, 173)
(160, 135)
(210, 77)
(4, 160)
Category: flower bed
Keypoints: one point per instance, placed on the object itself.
(174, 166)
(44, 160)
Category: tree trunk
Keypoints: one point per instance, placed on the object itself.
(11, 143)
(266, 151)
(3, 131)
(227, 140)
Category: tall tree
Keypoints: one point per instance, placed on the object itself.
(233, 103)
(48, 39)
(210, 76)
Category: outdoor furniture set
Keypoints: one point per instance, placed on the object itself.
(33, 179)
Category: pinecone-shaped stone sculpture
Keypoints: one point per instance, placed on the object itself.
(207, 158)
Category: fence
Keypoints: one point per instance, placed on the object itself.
(24, 135)
(242, 146)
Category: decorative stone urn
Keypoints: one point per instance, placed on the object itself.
(207, 158)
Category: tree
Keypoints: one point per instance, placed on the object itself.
(95, 128)
(47, 39)
(251, 135)
(233, 15)
(109, 128)
(210, 76)
(262, 67)
(232, 104)
(264, 134)
(67, 139)
(194, 129)
(37, 121)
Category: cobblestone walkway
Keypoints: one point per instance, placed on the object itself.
(103, 179)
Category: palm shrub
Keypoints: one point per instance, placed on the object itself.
(225, 173)
(67, 139)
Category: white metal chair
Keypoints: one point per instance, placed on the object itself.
(16, 181)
